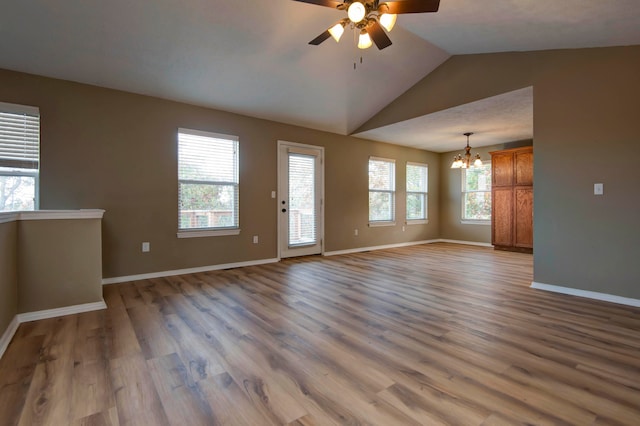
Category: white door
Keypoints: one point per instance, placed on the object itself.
(300, 197)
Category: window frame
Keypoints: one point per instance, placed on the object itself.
(18, 169)
(391, 192)
(464, 192)
(424, 194)
(233, 229)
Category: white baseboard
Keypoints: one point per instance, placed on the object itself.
(8, 335)
(386, 246)
(467, 243)
(59, 312)
(587, 294)
(116, 280)
(161, 274)
(410, 243)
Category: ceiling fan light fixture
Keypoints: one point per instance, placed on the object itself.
(364, 42)
(376, 17)
(356, 12)
(388, 20)
(336, 31)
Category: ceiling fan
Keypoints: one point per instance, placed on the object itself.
(369, 17)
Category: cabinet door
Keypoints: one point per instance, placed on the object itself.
(524, 168)
(502, 217)
(502, 169)
(523, 227)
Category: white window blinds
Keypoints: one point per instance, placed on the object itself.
(417, 184)
(19, 136)
(382, 188)
(208, 180)
(302, 200)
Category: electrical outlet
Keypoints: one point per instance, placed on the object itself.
(146, 247)
(355, 232)
(255, 239)
(404, 228)
(273, 194)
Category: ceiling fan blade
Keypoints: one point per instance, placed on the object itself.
(378, 35)
(413, 6)
(327, 3)
(322, 37)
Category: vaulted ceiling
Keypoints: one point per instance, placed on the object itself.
(251, 56)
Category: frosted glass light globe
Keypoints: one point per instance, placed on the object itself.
(356, 12)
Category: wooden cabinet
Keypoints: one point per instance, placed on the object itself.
(512, 199)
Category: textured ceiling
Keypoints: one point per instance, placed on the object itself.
(499, 119)
(252, 57)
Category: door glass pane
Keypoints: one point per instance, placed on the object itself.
(302, 205)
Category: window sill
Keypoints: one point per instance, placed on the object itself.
(476, 222)
(417, 222)
(381, 223)
(197, 233)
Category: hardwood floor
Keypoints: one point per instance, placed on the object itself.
(433, 334)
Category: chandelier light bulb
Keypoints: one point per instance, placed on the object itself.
(388, 20)
(336, 31)
(364, 42)
(356, 12)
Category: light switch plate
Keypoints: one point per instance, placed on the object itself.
(598, 189)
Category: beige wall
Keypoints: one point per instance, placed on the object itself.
(586, 108)
(586, 131)
(113, 150)
(348, 196)
(116, 151)
(8, 274)
(59, 263)
(451, 226)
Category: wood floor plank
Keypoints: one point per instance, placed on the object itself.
(199, 358)
(17, 368)
(52, 376)
(120, 335)
(151, 331)
(104, 418)
(436, 334)
(180, 398)
(230, 404)
(136, 396)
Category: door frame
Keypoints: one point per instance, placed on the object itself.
(279, 196)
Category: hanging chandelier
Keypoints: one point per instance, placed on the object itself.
(464, 162)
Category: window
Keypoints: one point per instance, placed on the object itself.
(476, 194)
(19, 157)
(208, 184)
(417, 179)
(382, 191)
